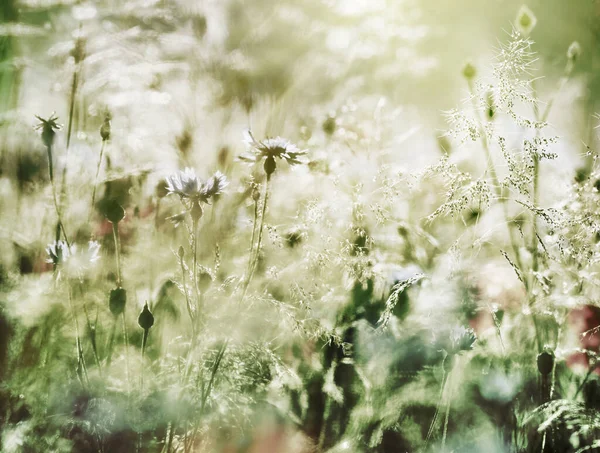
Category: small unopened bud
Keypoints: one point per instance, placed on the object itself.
(469, 71)
(270, 165)
(105, 128)
(574, 51)
(180, 252)
(113, 211)
(490, 108)
(117, 301)
(526, 20)
(199, 25)
(545, 362)
(162, 189)
(196, 212)
(329, 125)
(146, 318)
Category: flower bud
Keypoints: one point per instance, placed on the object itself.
(526, 21)
(180, 252)
(113, 211)
(270, 165)
(489, 104)
(161, 189)
(117, 301)
(469, 71)
(196, 212)
(329, 125)
(146, 318)
(105, 128)
(574, 51)
(545, 362)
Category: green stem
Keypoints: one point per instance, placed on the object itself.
(187, 298)
(260, 236)
(198, 317)
(54, 197)
(92, 335)
(80, 357)
(111, 342)
(126, 338)
(116, 237)
(254, 225)
(144, 341)
(96, 177)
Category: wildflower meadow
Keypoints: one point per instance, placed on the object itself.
(299, 226)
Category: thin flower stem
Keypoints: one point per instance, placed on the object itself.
(96, 177)
(111, 342)
(260, 235)
(80, 357)
(115, 228)
(126, 338)
(55, 199)
(449, 391)
(199, 308)
(144, 341)
(187, 298)
(254, 225)
(92, 335)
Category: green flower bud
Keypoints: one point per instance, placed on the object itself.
(545, 362)
(490, 108)
(146, 318)
(329, 125)
(469, 71)
(117, 301)
(112, 210)
(270, 165)
(574, 51)
(181, 252)
(105, 128)
(196, 212)
(526, 20)
(161, 189)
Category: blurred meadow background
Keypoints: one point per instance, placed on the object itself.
(299, 226)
